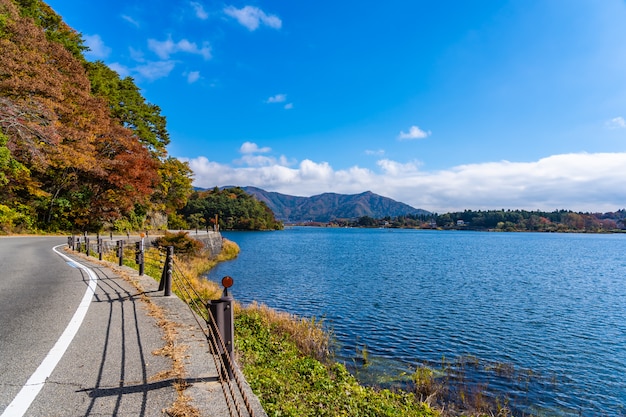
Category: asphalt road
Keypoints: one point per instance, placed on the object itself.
(31, 276)
(107, 368)
(77, 339)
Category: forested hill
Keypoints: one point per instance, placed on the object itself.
(330, 206)
(80, 148)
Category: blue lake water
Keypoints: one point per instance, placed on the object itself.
(551, 307)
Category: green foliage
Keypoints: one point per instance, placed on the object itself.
(177, 222)
(175, 185)
(9, 166)
(502, 221)
(4, 18)
(12, 219)
(56, 30)
(538, 221)
(182, 243)
(129, 107)
(367, 221)
(235, 209)
(289, 383)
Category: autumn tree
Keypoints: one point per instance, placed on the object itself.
(128, 106)
(86, 168)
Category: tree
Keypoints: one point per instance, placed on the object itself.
(367, 221)
(85, 167)
(235, 209)
(55, 29)
(128, 106)
(175, 185)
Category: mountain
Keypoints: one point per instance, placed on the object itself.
(330, 206)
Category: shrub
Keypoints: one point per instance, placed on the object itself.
(182, 243)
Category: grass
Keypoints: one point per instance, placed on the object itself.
(289, 382)
(308, 334)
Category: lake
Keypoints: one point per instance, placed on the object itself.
(538, 317)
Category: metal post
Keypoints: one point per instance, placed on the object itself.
(222, 312)
(166, 277)
(139, 256)
(120, 251)
(100, 248)
(162, 281)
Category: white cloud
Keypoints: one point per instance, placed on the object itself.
(278, 98)
(130, 20)
(122, 70)
(199, 10)
(136, 55)
(395, 169)
(250, 147)
(379, 152)
(252, 17)
(149, 71)
(168, 47)
(413, 133)
(97, 48)
(153, 70)
(193, 76)
(616, 123)
(580, 182)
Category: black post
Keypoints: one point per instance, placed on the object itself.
(139, 256)
(162, 281)
(224, 324)
(166, 277)
(120, 251)
(100, 248)
(87, 245)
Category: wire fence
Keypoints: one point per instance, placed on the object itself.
(214, 317)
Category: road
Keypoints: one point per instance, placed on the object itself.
(77, 339)
(108, 365)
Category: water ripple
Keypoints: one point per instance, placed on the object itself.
(550, 305)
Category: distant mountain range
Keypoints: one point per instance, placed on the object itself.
(330, 206)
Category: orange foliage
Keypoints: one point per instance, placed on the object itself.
(64, 135)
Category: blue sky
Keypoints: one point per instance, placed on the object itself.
(443, 105)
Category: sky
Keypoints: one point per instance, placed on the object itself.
(443, 105)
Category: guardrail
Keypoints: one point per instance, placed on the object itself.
(217, 315)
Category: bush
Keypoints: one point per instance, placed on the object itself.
(14, 221)
(182, 243)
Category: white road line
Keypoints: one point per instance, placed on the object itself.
(27, 394)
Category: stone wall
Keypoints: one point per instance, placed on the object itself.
(211, 241)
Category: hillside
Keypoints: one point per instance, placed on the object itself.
(330, 206)
(80, 147)
(232, 208)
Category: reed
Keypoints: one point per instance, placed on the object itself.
(308, 334)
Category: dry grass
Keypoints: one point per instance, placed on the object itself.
(308, 334)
